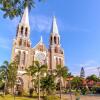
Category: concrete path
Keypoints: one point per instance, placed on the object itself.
(67, 97)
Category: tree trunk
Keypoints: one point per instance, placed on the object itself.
(29, 82)
(13, 90)
(70, 89)
(60, 90)
(5, 87)
(39, 86)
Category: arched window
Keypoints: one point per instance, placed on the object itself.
(17, 31)
(24, 57)
(28, 44)
(56, 61)
(51, 40)
(25, 43)
(26, 30)
(22, 30)
(60, 61)
(55, 40)
(20, 42)
(18, 57)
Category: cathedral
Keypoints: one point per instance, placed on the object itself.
(22, 47)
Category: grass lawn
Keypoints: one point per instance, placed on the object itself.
(9, 97)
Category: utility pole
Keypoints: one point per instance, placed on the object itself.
(99, 71)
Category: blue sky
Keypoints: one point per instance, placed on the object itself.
(79, 27)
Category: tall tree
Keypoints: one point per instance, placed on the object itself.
(9, 74)
(76, 82)
(93, 78)
(13, 8)
(12, 75)
(37, 69)
(47, 84)
(61, 73)
(4, 74)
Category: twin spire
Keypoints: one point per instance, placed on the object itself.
(25, 21)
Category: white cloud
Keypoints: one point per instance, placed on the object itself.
(4, 43)
(40, 23)
(90, 68)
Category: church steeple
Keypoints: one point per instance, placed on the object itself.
(54, 28)
(54, 37)
(41, 40)
(23, 30)
(55, 48)
(25, 17)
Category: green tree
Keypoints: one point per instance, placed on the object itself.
(8, 74)
(13, 8)
(61, 74)
(12, 75)
(93, 77)
(4, 74)
(38, 70)
(48, 84)
(76, 82)
(2, 84)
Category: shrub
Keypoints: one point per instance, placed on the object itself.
(52, 97)
(83, 91)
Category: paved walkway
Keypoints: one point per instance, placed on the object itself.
(67, 97)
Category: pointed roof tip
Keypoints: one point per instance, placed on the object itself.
(54, 17)
(41, 39)
(25, 17)
(54, 29)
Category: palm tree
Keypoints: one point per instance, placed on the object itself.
(14, 8)
(4, 71)
(61, 73)
(9, 72)
(37, 69)
(48, 84)
(12, 75)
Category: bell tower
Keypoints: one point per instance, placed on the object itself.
(56, 52)
(22, 43)
(54, 37)
(23, 30)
